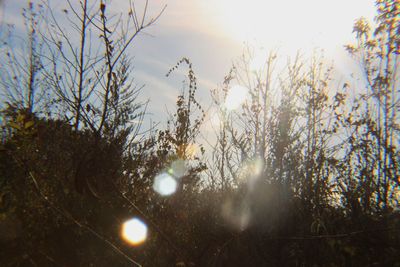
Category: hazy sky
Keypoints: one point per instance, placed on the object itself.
(212, 33)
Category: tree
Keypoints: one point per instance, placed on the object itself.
(21, 77)
(301, 173)
(61, 165)
(374, 117)
(88, 75)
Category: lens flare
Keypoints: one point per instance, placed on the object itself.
(251, 168)
(165, 184)
(236, 214)
(257, 166)
(178, 168)
(215, 120)
(236, 96)
(134, 231)
(191, 150)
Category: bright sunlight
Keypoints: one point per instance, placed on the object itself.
(247, 20)
(134, 231)
(236, 96)
(290, 23)
(165, 184)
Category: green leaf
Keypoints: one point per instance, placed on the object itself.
(29, 124)
(20, 118)
(14, 125)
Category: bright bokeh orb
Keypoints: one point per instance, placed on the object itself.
(134, 231)
(178, 168)
(235, 97)
(165, 184)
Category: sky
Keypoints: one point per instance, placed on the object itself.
(213, 33)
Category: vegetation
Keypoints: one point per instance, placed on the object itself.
(302, 173)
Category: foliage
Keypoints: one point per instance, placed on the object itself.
(301, 174)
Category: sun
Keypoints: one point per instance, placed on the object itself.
(290, 23)
(243, 20)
